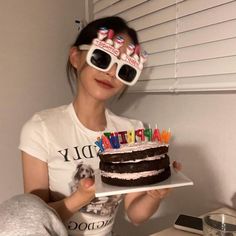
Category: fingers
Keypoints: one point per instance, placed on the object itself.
(87, 182)
(85, 192)
(159, 194)
(177, 165)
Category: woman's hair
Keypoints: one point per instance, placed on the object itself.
(89, 32)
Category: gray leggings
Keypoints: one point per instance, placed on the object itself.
(27, 214)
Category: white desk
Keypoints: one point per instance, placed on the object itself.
(175, 232)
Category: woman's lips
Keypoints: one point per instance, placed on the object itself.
(104, 84)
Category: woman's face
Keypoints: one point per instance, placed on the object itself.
(98, 84)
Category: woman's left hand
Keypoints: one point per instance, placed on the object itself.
(159, 194)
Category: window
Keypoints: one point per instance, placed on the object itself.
(191, 43)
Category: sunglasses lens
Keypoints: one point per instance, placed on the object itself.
(100, 59)
(127, 73)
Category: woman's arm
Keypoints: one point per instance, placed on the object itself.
(36, 181)
(142, 205)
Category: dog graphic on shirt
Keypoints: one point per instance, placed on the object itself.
(82, 171)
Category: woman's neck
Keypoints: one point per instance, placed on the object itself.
(90, 113)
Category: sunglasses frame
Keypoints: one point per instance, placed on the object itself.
(114, 60)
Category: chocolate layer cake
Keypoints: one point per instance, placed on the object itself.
(135, 164)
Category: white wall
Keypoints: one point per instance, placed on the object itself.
(204, 141)
(34, 40)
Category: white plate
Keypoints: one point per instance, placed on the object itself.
(177, 179)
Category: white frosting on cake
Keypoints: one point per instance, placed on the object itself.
(130, 147)
(158, 157)
(129, 176)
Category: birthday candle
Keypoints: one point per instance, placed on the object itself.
(123, 138)
(165, 136)
(148, 133)
(106, 142)
(114, 140)
(130, 136)
(99, 144)
(140, 134)
(156, 135)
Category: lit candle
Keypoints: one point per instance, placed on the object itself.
(165, 136)
(156, 135)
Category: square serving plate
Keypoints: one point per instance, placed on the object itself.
(177, 179)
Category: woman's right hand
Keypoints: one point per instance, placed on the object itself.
(82, 196)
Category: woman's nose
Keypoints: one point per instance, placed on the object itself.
(112, 71)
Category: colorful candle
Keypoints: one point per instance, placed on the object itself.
(148, 134)
(114, 140)
(131, 136)
(99, 144)
(156, 135)
(165, 136)
(140, 133)
(123, 138)
(106, 142)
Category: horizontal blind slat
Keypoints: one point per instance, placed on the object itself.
(103, 4)
(207, 17)
(162, 58)
(165, 85)
(191, 6)
(208, 34)
(146, 8)
(155, 18)
(207, 67)
(158, 31)
(159, 45)
(207, 51)
(158, 72)
(117, 8)
(207, 83)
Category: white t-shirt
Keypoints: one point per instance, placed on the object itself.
(57, 137)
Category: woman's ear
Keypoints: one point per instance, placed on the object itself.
(75, 57)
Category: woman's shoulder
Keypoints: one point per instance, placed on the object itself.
(47, 117)
(50, 113)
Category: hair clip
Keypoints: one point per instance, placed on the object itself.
(79, 24)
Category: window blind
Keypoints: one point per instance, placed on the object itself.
(191, 43)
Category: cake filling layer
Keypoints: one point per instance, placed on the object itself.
(129, 176)
(157, 157)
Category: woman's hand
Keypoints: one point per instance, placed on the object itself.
(177, 165)
(162, 193)
(82, 196)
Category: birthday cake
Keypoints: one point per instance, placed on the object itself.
(135, 163)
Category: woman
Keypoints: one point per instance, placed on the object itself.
(56, 143)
